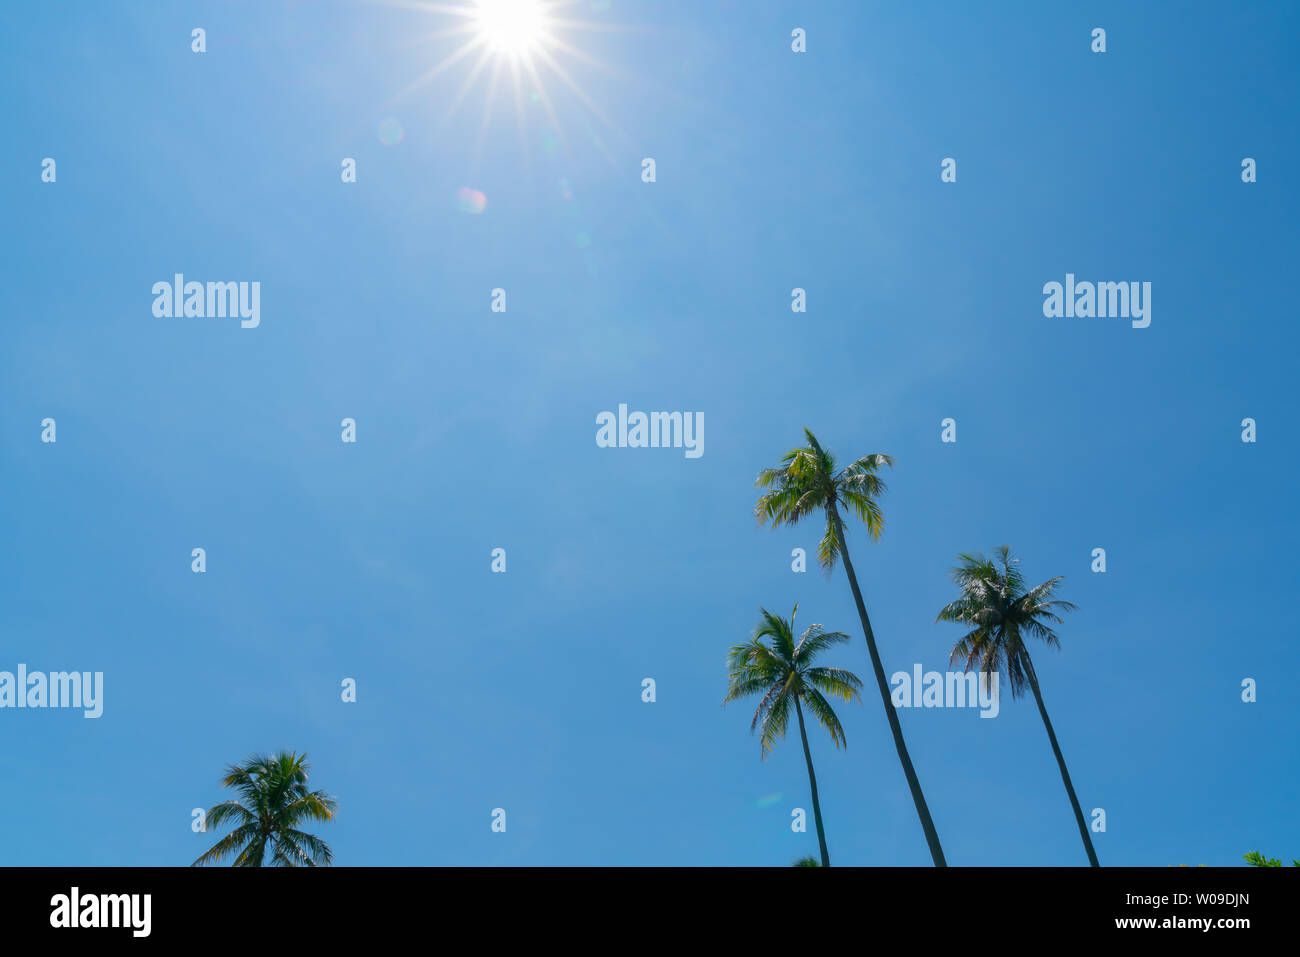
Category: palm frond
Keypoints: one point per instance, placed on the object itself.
(779, 630)
(864, 508)
(828, 549)
(821, 709)
(232, 842)
(777, 719)
(837, 682)
(814, 641)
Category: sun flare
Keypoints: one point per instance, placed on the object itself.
(520, 52)
(511, 27)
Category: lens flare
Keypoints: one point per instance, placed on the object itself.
(390, 132)
(470, 200)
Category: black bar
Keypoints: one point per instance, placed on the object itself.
(533, 905)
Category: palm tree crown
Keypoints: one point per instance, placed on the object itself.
(1001, 612)
(784, 672)
(806, 480)
(273, 801)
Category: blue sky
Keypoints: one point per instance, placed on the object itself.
(476, 429)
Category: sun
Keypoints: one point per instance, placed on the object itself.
(511, 27)
(520, 50)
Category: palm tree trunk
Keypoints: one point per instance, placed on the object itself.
(918, 798)
(812, 779)
(1065, 775)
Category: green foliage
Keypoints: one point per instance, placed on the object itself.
(807, 481)
(784, 671)
(273, 801)
(1256, 859)
(809, 861)
(1001, 612)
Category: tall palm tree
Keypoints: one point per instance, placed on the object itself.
(784, 673)
(273, 801)
(806, 481)
(1001, 612)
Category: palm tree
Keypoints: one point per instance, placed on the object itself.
(1001, 612)
(274, 800)
(809, 861)
(807, 481)
(784, 673)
